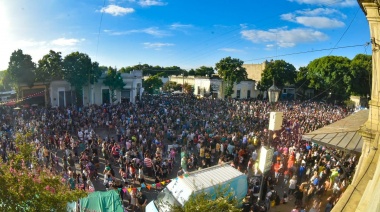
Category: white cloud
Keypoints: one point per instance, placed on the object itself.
(66, 41)
(320, 11)
(156, 46)
(155, 31)
(116, 10)
(315, 18)
(180, 26)
(147, 3)
(283, 37)
(315, 22)
(343, 3)
(230, 50)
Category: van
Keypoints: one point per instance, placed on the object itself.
(179, 190)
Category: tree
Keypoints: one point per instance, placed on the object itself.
(26, 186)
(171, 86)
(152, 83)
(80, 71)
(114, 81)
(330, 77)
(5, 84)
(361, 72)
(203, 71)
(302, 82)
(21, 69)
(231, 70)
(187, 88)
(222, 201)
(192, 72)
(50, 67)
(126, 69)
(281, 72)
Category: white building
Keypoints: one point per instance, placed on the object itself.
(214, 86)
(62, 94)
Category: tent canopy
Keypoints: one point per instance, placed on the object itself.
(102, 201)
(342, 134)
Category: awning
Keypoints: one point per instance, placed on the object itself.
(342, 134)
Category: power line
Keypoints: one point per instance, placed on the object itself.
(100, 26)
(344, 33)
(310, 51)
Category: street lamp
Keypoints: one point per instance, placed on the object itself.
(266, 152)
(273, 93)
(275, 118)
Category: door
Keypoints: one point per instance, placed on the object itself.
(61, 98)
(106, 96)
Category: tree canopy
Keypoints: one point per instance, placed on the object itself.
(79, 71)
(221, 201)
(49, 67)
(281, 72)
(232, 71)
(361, 75)
(169, 86)
(114, 81)
(330, 77)
(152, 83)
(203, 71)
(154, 70)
(5, 84)
(21, 68)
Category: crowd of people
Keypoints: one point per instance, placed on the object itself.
(145, 140)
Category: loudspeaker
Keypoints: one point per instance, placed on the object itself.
(275, 120)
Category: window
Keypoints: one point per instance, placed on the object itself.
(238, 94)
(248, 94)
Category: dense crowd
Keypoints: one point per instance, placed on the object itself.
(144, 139)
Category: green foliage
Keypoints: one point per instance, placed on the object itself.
(221, 201)
(187, 88)
(169, 86)
(80, 71)
(21, 68)
(50, 67)
(154, 70)
(152, 83)
(281, 72)
(114, 81)
(32, 189)
(203, 71)
(330, 74)
(192, 72)
(361, 75)
(5, 81)
(231, 70)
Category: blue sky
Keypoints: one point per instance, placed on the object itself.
(183, 33)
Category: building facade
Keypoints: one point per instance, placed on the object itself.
(60, 93)
(205, 86)
(364, 191)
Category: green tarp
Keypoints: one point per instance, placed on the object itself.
(100, 201)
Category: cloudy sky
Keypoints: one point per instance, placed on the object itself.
(183, 33)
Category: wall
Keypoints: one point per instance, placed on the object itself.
(254, 70)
